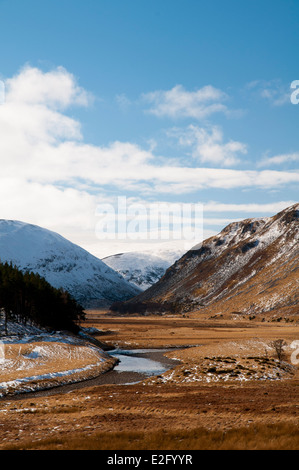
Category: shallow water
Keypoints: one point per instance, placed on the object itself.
(135, 365)
(133, 361)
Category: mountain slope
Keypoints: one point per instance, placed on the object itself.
(63, 264)
(250, 267)
(142, 269)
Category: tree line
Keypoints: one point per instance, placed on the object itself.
(27, 298)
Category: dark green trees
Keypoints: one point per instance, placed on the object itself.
(29, 298)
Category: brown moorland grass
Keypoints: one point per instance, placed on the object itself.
(258, 414)
(175, 331)
(261, 437)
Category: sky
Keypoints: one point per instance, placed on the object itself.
(114, 112)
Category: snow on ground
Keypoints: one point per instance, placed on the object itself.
(33, 359)
(216, 369)
(234, 361)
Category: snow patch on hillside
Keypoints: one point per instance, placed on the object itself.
(63, 264)
(142, 269)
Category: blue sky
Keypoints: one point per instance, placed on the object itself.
(174, 102)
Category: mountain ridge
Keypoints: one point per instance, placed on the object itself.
(142, 269)
(62, 263)
(250, 267)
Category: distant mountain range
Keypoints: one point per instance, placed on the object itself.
(142, 269)
(63, 264)
(251, 268)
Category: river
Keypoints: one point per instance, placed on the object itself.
(144, 362)
(134, 366)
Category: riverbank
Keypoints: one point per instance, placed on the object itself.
(33, 360)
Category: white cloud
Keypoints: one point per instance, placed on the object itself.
(43, 145)
(273, 207)
(188, 180)
(280, 159)
(56, 89)
(207, 146)
(180, 103)
(44, 204)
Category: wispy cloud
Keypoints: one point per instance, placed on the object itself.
(274, 91)
(272, 208)
(280, 159)
(181, 103)
(123, 101)
(208, 145)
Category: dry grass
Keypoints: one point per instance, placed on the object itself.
(262, 437)
(257, 414)
(154, 331)
(39, 364)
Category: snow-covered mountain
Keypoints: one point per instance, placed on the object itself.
(250, 267)
(63, 264)
(142, 269)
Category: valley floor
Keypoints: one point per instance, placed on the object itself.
(228, 392)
